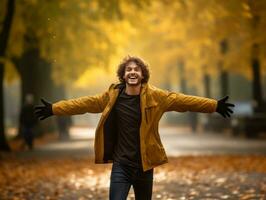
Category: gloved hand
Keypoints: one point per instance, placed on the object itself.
(44, 111)
(223, 107)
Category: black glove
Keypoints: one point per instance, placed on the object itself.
(42, 112)
(223, 107)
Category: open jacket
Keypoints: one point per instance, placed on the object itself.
(154, 103)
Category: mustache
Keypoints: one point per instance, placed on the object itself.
(130, 75)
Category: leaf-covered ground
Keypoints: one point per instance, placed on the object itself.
(187, 177)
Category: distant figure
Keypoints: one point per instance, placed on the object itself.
(28, 121)
(63, 123)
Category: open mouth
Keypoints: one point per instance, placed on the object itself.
(132, 77)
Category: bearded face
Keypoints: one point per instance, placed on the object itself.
(133, 74)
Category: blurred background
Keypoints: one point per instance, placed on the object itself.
(67, 49)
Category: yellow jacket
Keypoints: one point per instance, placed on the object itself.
(154, 102)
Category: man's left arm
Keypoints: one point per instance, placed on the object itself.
(181, 103)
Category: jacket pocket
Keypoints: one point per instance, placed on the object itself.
(155, 154)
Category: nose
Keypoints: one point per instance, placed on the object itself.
(133, 71)
(132, 74)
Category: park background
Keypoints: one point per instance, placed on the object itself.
(66, 49)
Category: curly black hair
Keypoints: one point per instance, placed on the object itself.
(139, 62)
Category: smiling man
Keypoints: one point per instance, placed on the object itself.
(127, 134)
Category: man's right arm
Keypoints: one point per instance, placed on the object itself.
(90, 104)
(87, 104)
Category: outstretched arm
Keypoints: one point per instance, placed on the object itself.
(181, 103)
(90, 104)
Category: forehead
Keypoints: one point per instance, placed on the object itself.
(132, 65)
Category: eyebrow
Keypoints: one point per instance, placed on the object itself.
(132, 67)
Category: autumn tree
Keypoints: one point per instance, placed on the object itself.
(4, 38)
(54, 42)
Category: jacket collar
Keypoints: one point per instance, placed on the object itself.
(121, 86)
(147, 100)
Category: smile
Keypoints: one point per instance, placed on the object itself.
(132, 77)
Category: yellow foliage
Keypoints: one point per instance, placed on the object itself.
(85, 47)
(94, 77)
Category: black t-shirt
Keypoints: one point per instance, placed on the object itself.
(128, 119)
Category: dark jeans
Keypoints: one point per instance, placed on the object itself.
(123, 176)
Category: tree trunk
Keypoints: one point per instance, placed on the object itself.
(63, 122)
(256, 83)
(3, 142)
(35, 74)
(224, 83)
(207, 88)
(4, 36)
(223, 80)
(183, 84)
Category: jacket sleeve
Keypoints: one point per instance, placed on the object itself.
(87, 104)
(181, 103)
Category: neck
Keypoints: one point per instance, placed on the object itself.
(133, 90)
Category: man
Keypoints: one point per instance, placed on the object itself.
(127, 133)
